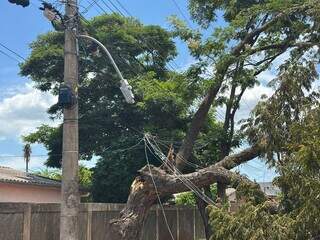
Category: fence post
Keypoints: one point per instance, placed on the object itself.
(89, 222)
(194, 223)
(157, 227)
(178, 224)
(26, 222)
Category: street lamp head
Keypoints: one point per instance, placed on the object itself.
(126, 90)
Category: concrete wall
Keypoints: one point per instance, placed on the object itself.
(20, 221)
(28, 193)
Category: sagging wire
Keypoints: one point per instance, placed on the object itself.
(158, 153)
(156, 189)
(185, 181)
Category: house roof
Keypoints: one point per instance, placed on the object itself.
(230, 191)
(9, 175)
(267, 187)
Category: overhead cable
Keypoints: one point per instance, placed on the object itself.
(182, 13)
(12, 58)
(156, 190)
(177, 173)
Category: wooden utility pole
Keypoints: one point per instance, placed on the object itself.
(70, 186)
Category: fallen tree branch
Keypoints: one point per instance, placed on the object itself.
(143, 193)
(235, 160)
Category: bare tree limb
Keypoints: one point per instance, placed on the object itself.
(282, 46)
(249, 37)
(186, 148)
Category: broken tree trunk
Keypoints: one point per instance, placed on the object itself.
(143, 194)
(131, 219)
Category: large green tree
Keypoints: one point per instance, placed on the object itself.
(106, 122)
(289, 123)
(253, 35)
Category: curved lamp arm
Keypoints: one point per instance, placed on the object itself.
(125, 88)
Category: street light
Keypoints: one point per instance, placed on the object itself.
(52, 14)
(67, 99)
(125, 87)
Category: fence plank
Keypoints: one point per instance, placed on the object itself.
(89, 223)
(27, 223)
(11, 226)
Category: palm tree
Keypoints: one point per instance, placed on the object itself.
(27, 152)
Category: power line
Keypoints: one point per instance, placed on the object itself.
(182, 13)
(86, 9)
(99, 6)
(107, 6)
(120, 4)
(143, 40)
(15, 53)
(12, 58)
(156, 189)
(158, 153)
(115, 6)
(170, 166)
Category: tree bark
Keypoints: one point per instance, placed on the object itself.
(130, 222)
(185, 150)
(221, 189)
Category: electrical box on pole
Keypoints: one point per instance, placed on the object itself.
(66, 98)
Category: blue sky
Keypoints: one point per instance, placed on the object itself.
(22, 108)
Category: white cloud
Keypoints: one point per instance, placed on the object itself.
(23, 112)
(251, 97)
(265, 77)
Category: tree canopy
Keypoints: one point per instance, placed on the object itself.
(298, 215)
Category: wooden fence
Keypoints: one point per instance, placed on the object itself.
(23, 221)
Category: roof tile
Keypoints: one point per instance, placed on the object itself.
(9, 175)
